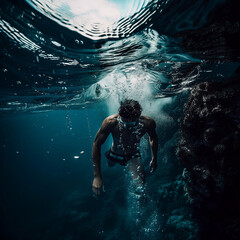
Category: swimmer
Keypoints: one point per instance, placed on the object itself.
(127, 128)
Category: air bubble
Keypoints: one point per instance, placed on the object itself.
(56, 43)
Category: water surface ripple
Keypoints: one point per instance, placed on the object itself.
(58, 55)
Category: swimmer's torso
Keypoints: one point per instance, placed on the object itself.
(126, 140)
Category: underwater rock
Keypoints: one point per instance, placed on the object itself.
(209, 151)
(177, 221)
(171, 192)
(184, 228)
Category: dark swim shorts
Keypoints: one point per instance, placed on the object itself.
(114, 158)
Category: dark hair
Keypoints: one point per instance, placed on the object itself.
(130, 109)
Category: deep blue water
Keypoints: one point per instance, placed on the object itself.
(65, 66)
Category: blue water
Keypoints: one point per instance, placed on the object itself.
(65, 66)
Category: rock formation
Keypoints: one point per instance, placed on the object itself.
(209, 149)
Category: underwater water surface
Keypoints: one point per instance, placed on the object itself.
(66, 66)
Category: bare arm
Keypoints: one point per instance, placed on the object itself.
(100, 138)
(153, 139)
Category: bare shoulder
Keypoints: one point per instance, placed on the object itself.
(148, 122)
(110, 121)
(112, 117)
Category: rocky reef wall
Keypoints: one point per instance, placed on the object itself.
(209, 150)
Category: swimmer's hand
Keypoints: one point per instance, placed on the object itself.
(97, 185)
(153, 165)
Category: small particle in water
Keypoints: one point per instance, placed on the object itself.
(56, 43)
(48, 152)
(52, 139)
(82, 152)
(77, 41)
(4, 145)
(37, 58)
(17, 152)
(64, 159)
(147, 230)
(76, 157)
(5, 70)
(219, 75)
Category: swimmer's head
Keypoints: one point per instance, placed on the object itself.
(130, 109)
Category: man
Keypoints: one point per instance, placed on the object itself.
(127, 128)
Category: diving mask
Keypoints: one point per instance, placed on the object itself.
(128, 124)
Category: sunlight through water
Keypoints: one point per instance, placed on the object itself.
(93, 19)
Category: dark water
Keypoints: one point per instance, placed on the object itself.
(65, 66)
